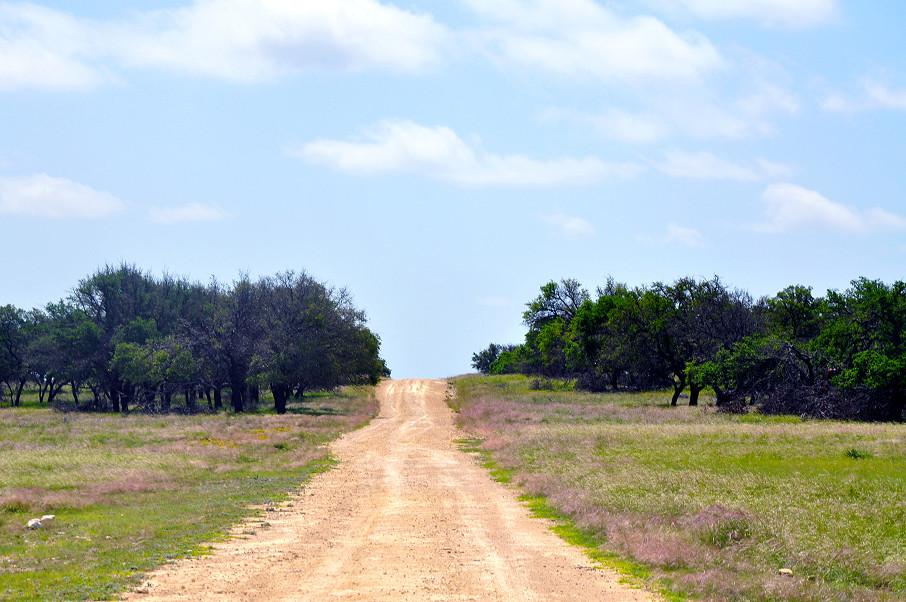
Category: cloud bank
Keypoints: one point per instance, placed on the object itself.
(238, 40)
(581, 38)
(54, 198)
(44, 48)
(439, 153)
(706, 166)
(684, 236)
(787, 13)
(567, 227)
(873, 94)
(790, 207)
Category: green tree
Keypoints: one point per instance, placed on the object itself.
(76, 341)
(557, 301)
(603, 352)
(795, 315)
(865, 340)
(482, 360)
(14, 342)
(314, 338)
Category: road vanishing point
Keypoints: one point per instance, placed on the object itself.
(405, 515)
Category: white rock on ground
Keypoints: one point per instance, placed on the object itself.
(34, 523)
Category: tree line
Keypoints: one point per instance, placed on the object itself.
(124, 339)
(838, 356)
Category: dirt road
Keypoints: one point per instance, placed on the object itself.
(406, 516)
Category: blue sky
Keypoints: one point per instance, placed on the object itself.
(443, 160)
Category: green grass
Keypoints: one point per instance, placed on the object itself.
(132, 492)
(712, 504)
(634, 574)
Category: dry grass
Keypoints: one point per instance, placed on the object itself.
(132, 491)
(715, 504)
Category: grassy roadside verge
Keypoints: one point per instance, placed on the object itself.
(132, 492)
(634, 574)
(709, 504)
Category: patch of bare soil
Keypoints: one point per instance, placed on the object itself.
(405, 516)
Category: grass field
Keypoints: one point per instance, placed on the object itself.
(133, 492)
(705, 504)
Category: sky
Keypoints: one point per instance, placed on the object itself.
(444, 160)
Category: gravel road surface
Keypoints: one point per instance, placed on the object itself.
(405, 516)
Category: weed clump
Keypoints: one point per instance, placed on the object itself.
(16, 505)
(720, 526)
(548, 384)
(858, 454)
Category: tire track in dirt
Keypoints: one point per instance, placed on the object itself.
(405, 516)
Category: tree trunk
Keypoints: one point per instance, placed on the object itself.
(190, 399)
(75, 391)
(115, 395)
(19, 392)
(678, 385)
(281, 394)
(693, 394)
(53, 391)
(720, 396)
(126, 395)
(614, 380)
(237, 389)
(218, 400)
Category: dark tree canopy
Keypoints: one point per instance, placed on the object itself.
(841, 356)
(130, 340)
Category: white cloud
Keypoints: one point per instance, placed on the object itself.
(675, 116)
(769, 98)
(883, 96)
(193, 212)
(637, 128)
(874, 94)
(260, 39)
(838, 103)
(787, 13)
(791, 207)
(617, 124)
(240, 40)
(437, 152)
(706, 166)
(43, 48)
(56, 198)
(676, 234)
(581, 38)
(566, 226)
(773, 171)
(693, 112)
(683, 236)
